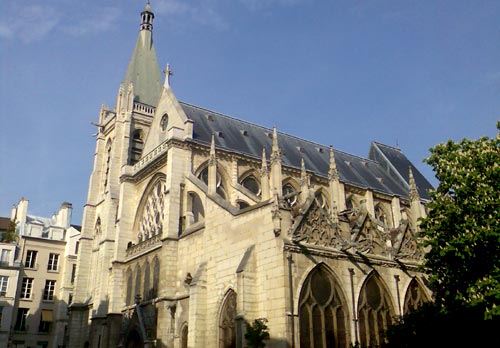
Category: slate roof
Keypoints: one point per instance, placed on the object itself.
(386, 171)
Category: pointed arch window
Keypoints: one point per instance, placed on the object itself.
(164, 122)
(184, 336)
(227, 324)
(220, 187)
(156, 277)
(251, 184)
(375, 313)
(151, 218)
(137, 281)
(415, 297)
(107, 166)
(130, 280)
(288, 192)
(321, 200)
(323, 318)
(147, 292)
(136, 147)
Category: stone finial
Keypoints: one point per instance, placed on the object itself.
(275, 154)
(413, 191)
(212, 160)
(264, 169)
(332, 171)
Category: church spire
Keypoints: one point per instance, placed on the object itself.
(143, 70)
(147, 17)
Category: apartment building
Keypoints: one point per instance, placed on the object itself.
(48, 249)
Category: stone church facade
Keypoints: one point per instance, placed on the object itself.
(197, 222)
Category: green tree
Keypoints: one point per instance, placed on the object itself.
(462, 240)
(257, 333)
(10, 235)
(462, 228)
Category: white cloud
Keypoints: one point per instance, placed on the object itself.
(28, 23)
(200, 12)
(103, 20)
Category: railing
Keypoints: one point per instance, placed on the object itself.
(144, 109)
(144, 245)
(157, 151)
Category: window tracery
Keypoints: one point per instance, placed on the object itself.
(288, 193)
(323, 318)
(374, 313)
(252, 185)
(415, 297)
(151, 221)
(220, 187)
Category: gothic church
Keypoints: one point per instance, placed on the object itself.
(197, 223)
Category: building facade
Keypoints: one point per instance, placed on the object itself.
(46, 268)
(197, 222)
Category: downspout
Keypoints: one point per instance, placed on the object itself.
(354, 317)
(290, 285)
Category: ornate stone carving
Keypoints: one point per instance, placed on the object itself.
(317, 229)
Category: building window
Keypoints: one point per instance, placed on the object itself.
(323, 315)
(137, 147)
(4, 282)
(151, 222)
(5, 257)
(77, 245)
(289, 194)
(73, 273)
(45, 321)
(22, 317)
(48, 292)
(30, 261)
(252, 185)
(53, 262)
(27, 288)
(70, 299)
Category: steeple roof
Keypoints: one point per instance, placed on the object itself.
(143, 70)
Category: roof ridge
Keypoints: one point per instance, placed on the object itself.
(279, 132)
(389, 146)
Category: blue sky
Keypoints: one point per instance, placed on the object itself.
(405, 73)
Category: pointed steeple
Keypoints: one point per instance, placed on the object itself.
(264, 176)
(276, 165)
(212, 168)
(413, 191)
(143, 70)
(332, 172)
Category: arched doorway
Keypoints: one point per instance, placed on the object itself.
(323, 315)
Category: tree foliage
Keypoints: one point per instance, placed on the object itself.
(10, 235)
(462, 241)
(462, 228)
(257, 333)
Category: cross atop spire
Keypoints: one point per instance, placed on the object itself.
(168, 72)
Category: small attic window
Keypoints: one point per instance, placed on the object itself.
(269, 134)
(209, 117)
(320, 149)
(364, 163)
(380, 180)
(348, 163)
(244, 132)
(219, 134)
(299, 148)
